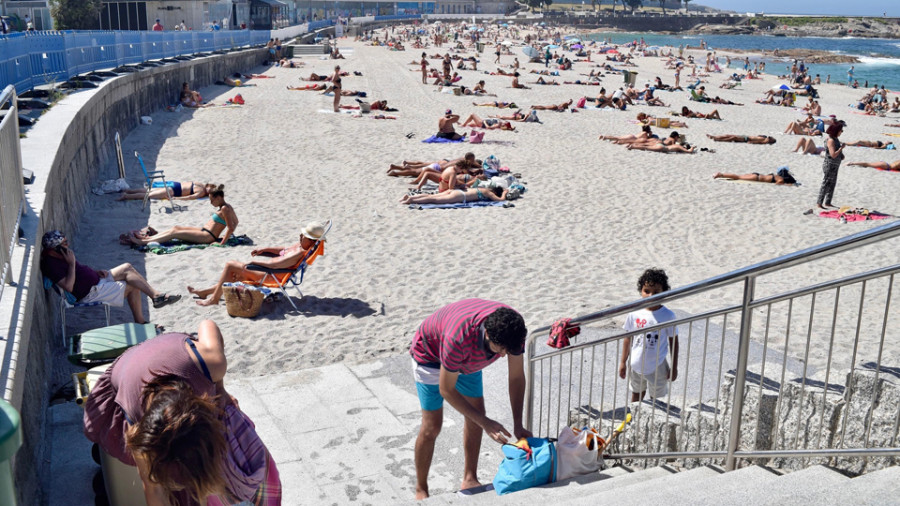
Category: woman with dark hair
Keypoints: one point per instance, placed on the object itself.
(335, 87)
(177, 189)
(458, 196)
(687, 113)
(223, 219)
(162, 406)
(834, 153)
(781, 178)
(749, 139)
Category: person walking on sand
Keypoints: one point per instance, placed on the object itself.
(449, 350)
(834, 153)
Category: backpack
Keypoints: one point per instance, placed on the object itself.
(581, 102)
(532, 117)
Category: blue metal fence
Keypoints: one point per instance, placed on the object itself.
(318, 25)
(29, 59)
(398, 17)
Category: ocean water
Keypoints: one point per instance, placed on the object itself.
(879, 58)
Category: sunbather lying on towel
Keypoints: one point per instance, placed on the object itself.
(646, 135)
(274, 258)
(892, 166)
(458, 175)
(415, 168)
(872, 144)
(458, 196)
(558, 108)
(669, 145)
(749, 139)
(223, 219)
(646, 119)
(180, 190)
(489, 124)
(756, 176)
(687, 113)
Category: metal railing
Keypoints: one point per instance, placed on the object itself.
(12, 188)
(790, 335)
(29, 59)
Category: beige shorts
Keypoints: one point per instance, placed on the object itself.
(656, 384)
(107, 291)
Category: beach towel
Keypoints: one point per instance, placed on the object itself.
(177, 245)
(459, 205)
(854, 214)
(434, 139)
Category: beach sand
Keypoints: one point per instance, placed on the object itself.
(594, 217)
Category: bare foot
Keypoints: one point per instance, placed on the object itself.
(421, 494)
(405, 199)
(208, 302)
(715, 176)
(470, 483)
(820, 206)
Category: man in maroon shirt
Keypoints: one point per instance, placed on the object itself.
(88, 285)
(449, 350)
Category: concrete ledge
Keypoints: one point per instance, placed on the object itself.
(67, 149)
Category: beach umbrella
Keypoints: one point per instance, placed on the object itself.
(473, 28)
(531, 52)
(552, 46)
(577, 46)
(612, 51)
(543, 23)
(504, 25)
(481, 29)
(782, 87)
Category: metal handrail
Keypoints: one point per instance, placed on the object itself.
(747, 276)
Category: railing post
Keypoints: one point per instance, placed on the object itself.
(740, 375)
(529, 384)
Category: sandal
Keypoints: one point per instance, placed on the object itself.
(164, 300)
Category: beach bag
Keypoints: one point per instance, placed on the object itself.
(476, 137)
(491, 166)
(529, 463)
(581, 102)
(365, 107)
(532, 117)
(242, 301)
(577, 452)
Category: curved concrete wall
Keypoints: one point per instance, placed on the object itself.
(66, 150)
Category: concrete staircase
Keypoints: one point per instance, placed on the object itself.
(702, 486)
(309, 49)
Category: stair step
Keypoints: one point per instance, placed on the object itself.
(682, 484)
(573, 487)
(734, 484)
(878, 487)
(812, 485)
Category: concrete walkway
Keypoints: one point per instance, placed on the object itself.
(340, 434)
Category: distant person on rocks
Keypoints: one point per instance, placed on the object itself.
(449, 350)
(645, 356)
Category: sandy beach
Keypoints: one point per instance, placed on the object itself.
(594, 217)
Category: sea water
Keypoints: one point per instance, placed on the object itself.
(879, 58)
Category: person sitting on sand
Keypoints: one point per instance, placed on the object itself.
(651, 100)
(749, 139)
(515, 82)
(891, 166)
(809, 126)
(646, 119)
(223, 219)
(194, 95)
(495, 194)
(445, 126)
(558, 108)
(180, 190)
(287, 257)
(872, 144)
(756, 176)
(808, 147)
(191, 98)
(488, 124)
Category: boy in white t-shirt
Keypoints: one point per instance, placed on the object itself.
(648, 368)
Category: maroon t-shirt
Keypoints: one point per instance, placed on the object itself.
(56, 269)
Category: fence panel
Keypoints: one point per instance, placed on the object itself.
(12, 193)
(16, 62)
(79, 58)
(104, 49)
(152, 46)
(129, 48)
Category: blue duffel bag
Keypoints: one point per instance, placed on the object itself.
(521, 469)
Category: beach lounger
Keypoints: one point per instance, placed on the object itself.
(155, 179)
(67, 301)
(279, 278)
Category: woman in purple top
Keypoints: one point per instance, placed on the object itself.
(162, 406)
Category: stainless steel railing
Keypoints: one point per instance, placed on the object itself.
(786, 333)
(12, 189)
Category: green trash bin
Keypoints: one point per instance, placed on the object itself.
(10, 441)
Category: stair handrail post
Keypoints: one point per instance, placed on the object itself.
(740, 376)
(529, 384)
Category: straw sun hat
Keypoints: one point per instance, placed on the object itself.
(313, 230)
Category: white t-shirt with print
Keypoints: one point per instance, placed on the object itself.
(649, 350)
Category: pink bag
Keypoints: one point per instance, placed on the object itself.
(581, 102)
(476, 137)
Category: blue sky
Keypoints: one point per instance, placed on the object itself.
(838, 7)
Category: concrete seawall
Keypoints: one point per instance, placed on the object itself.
(73, 144)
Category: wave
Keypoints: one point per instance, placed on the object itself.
(871, 60)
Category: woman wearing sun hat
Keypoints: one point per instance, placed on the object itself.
(273, 258)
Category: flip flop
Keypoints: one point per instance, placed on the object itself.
(165, 300)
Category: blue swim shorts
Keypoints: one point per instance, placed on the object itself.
(430, 398)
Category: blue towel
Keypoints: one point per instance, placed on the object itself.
(458, 205)
(441, 140)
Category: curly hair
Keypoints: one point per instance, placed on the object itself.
(654, 276)
(182, 439)
(506, 328)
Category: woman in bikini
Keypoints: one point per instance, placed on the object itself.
(287, 257)
(180, 190)
(223, 219)
(687, 113)
(558, 108)
(309, 87)
(646, 135)
(892, 166)
(647, 120)
(489, 124)
(872, 144)
(459, 173)
(336, 87)
(756, 176)
(458, 196)
(669, 145)
(749, 139)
